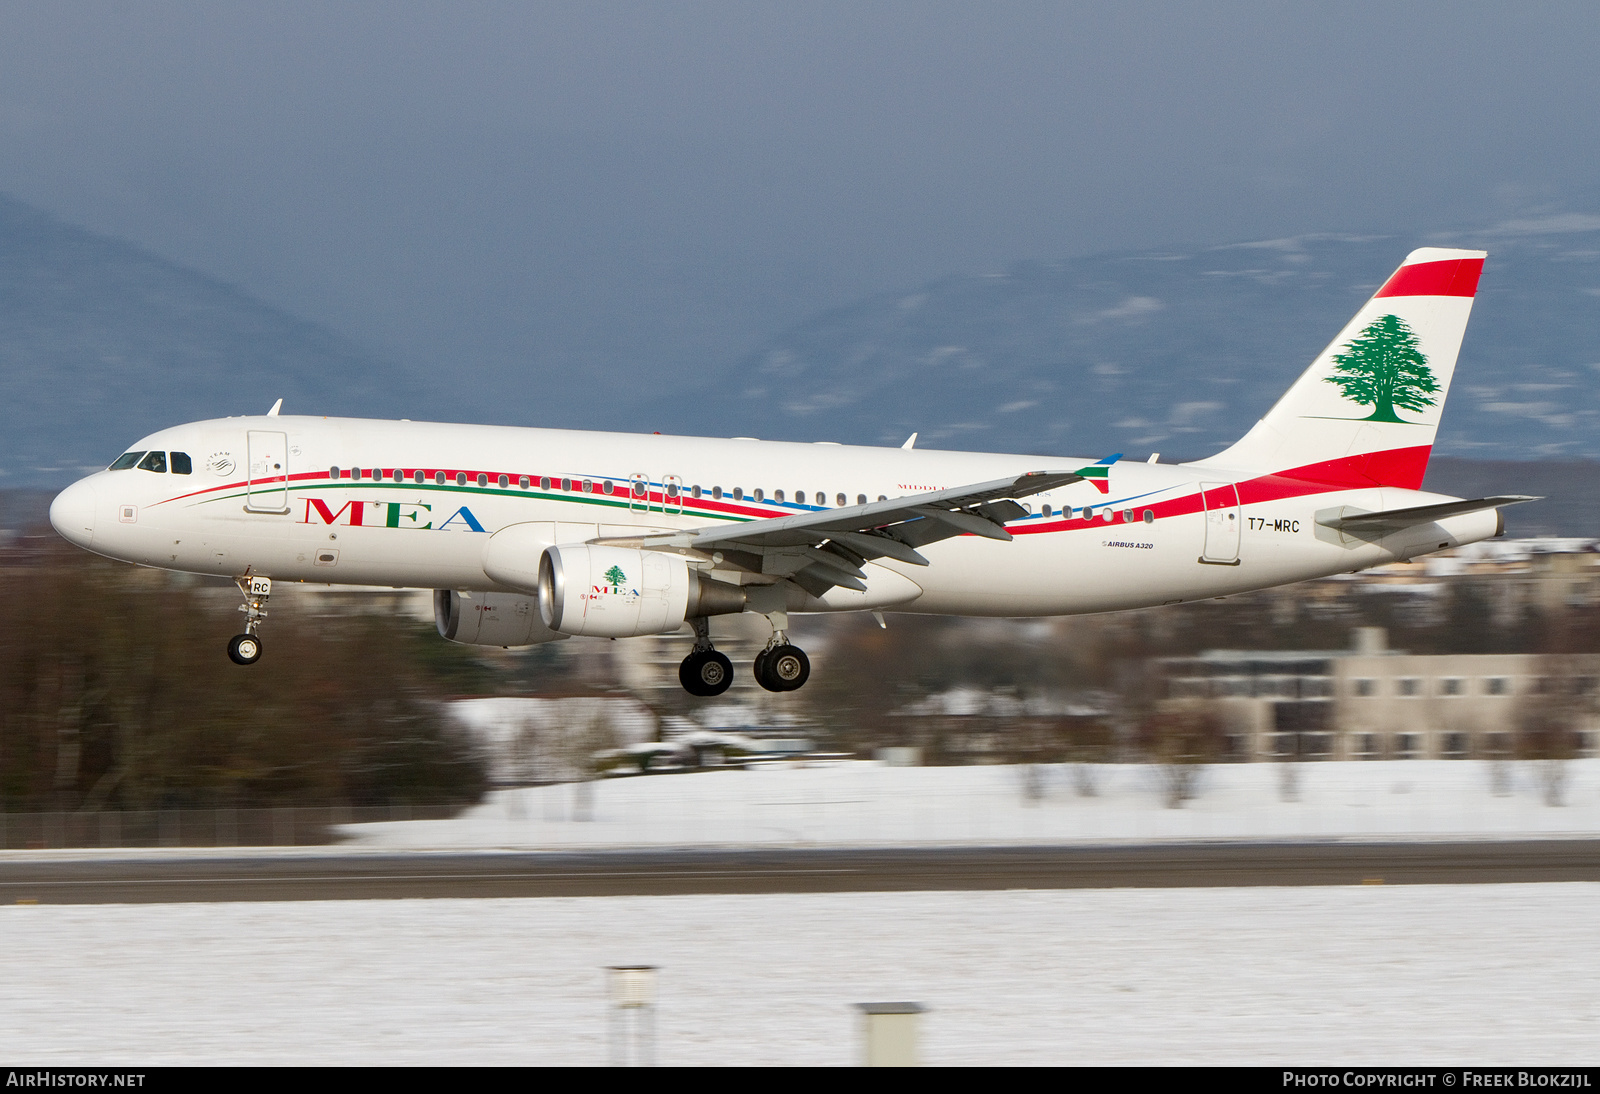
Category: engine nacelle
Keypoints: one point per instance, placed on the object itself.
(622, 592)
(490, 619)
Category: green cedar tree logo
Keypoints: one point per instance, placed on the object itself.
(616, 577)
(1382, 367)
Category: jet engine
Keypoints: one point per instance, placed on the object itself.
(623, 592)
(490, 619)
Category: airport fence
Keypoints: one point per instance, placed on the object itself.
(275, 826)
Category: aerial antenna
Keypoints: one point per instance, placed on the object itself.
(911, 441)
(277, 406)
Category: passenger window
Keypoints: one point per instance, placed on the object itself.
(1045, 511)
(777, 495)
(333, 472)
(716, 493)
(125, 461)
(483, 480)
(155, 461)
(398, 475)
(1149, 516)
(694, 491)
(861, 499)
(504, 482)
(438, 478)
(544, 482)
(799, 497)
(181, 464)
(738, 493)
(524, 482)
(461, 478)
(416, 476)
(841, 500)
(759, 495)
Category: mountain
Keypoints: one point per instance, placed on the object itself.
(1176, 350)
(1180, 350)
(101, 342)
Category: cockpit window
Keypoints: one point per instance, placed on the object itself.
(125, 461)
(155, 461)
(181, 464)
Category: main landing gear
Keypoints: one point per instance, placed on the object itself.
(705, 671)
(245, 649)
(782, 666)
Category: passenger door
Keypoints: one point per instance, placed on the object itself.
(267, 487)
(1221, 500)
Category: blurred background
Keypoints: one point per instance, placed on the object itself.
(1064, 229)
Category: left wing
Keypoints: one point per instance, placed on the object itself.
(819, 550)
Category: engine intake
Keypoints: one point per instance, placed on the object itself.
(623, 592)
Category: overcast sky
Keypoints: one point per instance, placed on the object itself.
(570, 195)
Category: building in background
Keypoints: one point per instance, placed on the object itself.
(1372, 702)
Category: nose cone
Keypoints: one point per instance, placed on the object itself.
(72, 513)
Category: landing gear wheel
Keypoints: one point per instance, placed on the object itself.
(782, 668)
(705, 672)
(244, 649)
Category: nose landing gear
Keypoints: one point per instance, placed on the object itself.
(245, 649)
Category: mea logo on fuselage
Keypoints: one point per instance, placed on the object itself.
(387, 514)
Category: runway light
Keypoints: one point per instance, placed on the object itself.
(889, 1033)
(633, 1003)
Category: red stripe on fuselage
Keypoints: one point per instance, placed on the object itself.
(1452, 277)
(1399, 467)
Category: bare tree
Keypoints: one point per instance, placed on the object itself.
(1549, 720)
(1180, 737)
(1089, 743)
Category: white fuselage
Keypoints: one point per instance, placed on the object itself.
(261, 500)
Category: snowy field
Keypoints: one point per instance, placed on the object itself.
(1421, 975)
(866, 804)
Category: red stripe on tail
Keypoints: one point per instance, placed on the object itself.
(1452, 277)
(1403, 467)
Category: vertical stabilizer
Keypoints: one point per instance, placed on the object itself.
(1366, 411)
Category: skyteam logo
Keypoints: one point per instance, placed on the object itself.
(417, 515)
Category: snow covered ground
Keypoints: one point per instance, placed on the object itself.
(866, 804)
(1420, 975)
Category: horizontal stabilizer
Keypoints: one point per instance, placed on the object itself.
(1392, 520)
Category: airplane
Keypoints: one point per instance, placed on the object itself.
(537, 535)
